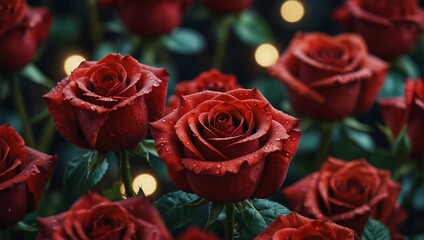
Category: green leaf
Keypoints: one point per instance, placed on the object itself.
(356, 125)
(114, 192)
(252, 29)
(363, 140)
(34, 74)
(149, 144)
(407, 66)
(173, 209)
(393, 85)
(95, 161)
(76, 179)
(259, 213)
(141, 152)
(104, 49)
(375, 230)
(214, 210)
(25, 227)
(185, 41)
(402, 144)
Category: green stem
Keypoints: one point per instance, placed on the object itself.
(222, 33)
(47, 136)
(18, 101)
(126, 173)
(94, 21)
(230, 220)
(150, 47)
(325, 142)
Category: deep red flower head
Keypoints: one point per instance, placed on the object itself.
(106, 105)
(407, 111)
(227, 147)
(329, 78)
(390, 27)
(212, 80)
(295, 226)
(24, 173)
(348, 193)
(95, 217)
(22, 31)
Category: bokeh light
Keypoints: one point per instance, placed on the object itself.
(266, 55)
(292, 11)
(144, 181)
(72, 62)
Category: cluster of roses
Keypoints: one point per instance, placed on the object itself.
(219, 141)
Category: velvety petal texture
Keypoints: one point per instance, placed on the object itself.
(227, 147)
(94, 217)
(329, 78)
(222, 6)
(22, 31)
(409, 112)
(149, 18)
(390, 27)
(212, 80)
(106, 105)
(24, 172)
(348, 193)
(295, 226)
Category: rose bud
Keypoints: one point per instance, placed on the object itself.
(106, 105)
(227, 147)
(222, 6)
(194, 233)
(348, 193)
(212, 80)
(390, 27)
(329, 78)
(22, 31)
(409, 111)
(295, 226)
(95, 217)
(24, 172)
(149, 18)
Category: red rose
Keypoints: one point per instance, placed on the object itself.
(106, 105)
(227, 147)
(94, 217)
(295, 226)
(409, 111)
(22, 31)
(389, 27)
(223, 6)
(149, 18)
(194, 233)
(329, 78)
(24, 173)
(212, 80)
(348, 193)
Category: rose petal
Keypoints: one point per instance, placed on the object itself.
(280, 70)
(295, 194)
(141, 208)
(87, 201)
(273, 144)
(277, 163)
(393, 112)
(371, 86)
(63, 114)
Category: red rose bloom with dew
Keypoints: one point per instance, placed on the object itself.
(106, 105)
(227, 147)
(24, 172)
